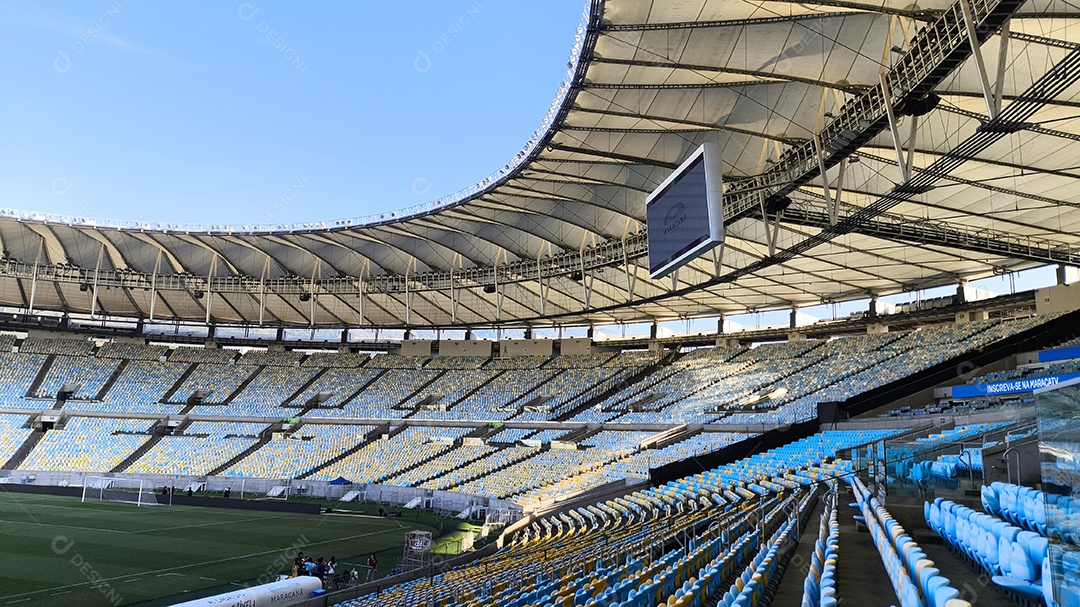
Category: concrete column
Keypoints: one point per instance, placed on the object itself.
(1067, 274)
(961, 291)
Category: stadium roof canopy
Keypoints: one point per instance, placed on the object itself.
(940, 164)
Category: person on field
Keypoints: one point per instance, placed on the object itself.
(372, 564)
(331, 570)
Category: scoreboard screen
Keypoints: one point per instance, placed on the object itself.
(684, 215)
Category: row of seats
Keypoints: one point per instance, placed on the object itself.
(760, 577)
(605, 553)
(1022, 506)
(819, 588)
(17, 373)
(923, 473)
(457, 478)
(13, 433)
(778, 383)
(634, 466)
(203, 447)
(983, 403)
(271, 358)
(437, 467)
(88, 444)
(541, 469)
(131, 351)
(381, 459)
(89, 373)
(1016, 559)
(288, 456)
(49, 345)
(1055, 368)
(195, 354)
(916, 581)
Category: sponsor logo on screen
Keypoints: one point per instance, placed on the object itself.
(675, 217)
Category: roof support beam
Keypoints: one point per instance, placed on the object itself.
(365, 271)
(209, 291)
(952, 236)
(766, 76)
(1002, 62)
(153, 284)
(97, 274)
(33, 280)
(830, 203)
(894, 131)
(976, 52)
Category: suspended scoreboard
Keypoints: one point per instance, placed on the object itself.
(685, 214)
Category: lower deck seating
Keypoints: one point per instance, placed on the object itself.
(1014, 557)
(819, 588)
(88, 444)
(13, 432)
(916, 581)
(1022, 506)
(1009, 540)
(716, 538)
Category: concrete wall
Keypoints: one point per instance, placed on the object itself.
(526, 347)
(575, 345)
(1062, 298)
(256, 487)
(46, 334)
(465, 347)
(416, 347)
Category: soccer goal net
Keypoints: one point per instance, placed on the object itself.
(279, 492)
(126, 490)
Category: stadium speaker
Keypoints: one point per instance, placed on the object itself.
(198, 294)
(489, 289)
(198, 397)
(918, 106)
(305, 297)
(776, 205)
(84, 287)
(828, 412)
(576, 275)
(68, 389)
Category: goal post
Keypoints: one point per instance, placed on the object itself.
(280, 491)
(124, 490)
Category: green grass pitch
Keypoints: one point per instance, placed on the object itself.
(59, 551)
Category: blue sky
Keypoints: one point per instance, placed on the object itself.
(271, 112)
(242, 112)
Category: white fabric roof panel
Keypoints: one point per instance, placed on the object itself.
(557, 237)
